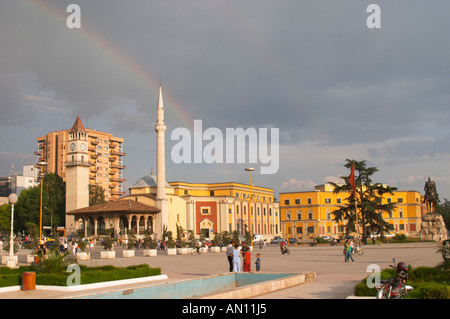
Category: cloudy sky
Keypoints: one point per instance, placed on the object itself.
(334, 87)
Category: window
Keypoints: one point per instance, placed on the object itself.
(309, 200)
(327, 200)
(389, 200)
(299, 215)
(297, 201)
(205, 211)
(310, 215)
(400, 200)
(339, 201)
(230, 211)
(287, 202)
(299, 230)
(288, 215)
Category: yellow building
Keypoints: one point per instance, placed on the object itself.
(309, 214)
(213, 208)
(105, 156)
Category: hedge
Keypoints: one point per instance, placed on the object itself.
(13, 277)
(428, 283)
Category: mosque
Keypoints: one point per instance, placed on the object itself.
(155, 205)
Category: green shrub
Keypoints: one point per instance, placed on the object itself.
(361, 289)
(430, 290)
(7, 280)
(12, 277)
(428, 283)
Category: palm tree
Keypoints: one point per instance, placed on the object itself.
(368, 199)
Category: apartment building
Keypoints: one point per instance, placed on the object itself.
(105, 156)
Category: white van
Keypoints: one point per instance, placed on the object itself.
(257, 237)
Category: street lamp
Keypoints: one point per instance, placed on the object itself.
(41, 164)
(51, 220)
(250, 170)
(12, 263)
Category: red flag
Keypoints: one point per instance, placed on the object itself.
(351, 179)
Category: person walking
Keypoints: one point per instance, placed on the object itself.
(236, 259)
(348, 251)
(230, 253)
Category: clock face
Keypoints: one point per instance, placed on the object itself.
(82, 146)
(72, 146)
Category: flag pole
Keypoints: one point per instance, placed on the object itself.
(353, 184)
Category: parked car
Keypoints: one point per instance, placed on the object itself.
(277, 240)
(293, 241)
(257, 237)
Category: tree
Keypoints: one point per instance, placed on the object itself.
(96, 195)
(368, 199)
(27, 208)
(5, 218)
(444, 210)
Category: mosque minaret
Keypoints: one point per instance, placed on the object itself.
(161, 200)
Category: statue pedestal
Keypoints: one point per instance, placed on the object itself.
(433, 228)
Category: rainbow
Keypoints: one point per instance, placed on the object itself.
(118, 56)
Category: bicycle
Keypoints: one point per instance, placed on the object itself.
(358, 250)
(201, 250)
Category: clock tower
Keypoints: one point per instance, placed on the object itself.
(77, 172)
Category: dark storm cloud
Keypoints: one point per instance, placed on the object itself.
(312, 69)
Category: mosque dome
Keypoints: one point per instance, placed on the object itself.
(147, 181)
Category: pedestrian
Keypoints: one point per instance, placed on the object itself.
(236, 259)
(247, 261)
(230, 253)
(258, 262)
(348, 251)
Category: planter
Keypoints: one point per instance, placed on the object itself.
(171, 251)
(182, 251)
(106, 254)
(223, 249)
(82, 255)
(30, 259)
(215, 249)
(37, 260)
(150, 252)
(5, 259)
(128, 253)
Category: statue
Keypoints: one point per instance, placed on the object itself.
(431, 196)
